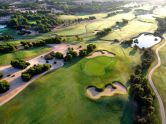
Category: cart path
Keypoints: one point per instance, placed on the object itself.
(162, 110)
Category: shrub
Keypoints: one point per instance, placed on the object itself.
(4, 86)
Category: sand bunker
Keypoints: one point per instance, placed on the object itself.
(109, 90)
(101, 53)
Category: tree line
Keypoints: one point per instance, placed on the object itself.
(9, 47)
(71, 53)
(140, 91)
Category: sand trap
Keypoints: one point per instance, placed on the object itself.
(101, 53)
(95, 93)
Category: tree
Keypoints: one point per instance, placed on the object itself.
(20, 64)
(90, 48)
(1, 75)
(58, 55)
(4, 86)
(26, 76)
(68, 57)
(83, 53)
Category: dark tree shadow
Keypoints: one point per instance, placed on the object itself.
(132, 52)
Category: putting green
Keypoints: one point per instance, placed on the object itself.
(98, 66)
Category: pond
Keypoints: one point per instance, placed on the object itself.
(146, 40)
(2, 28)
(147, 16)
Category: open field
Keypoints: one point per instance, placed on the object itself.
(22, 54)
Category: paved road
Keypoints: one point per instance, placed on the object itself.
(162, 110)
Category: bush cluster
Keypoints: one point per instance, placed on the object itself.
(90, 48)
(52, 55)
(21, 64)
(103, 33)
(70, 55)
(7, 48)
(35, 70)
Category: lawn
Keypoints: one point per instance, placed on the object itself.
(73, 30)
(22, 54)
(59, 97)
(134, 28)
(101, 64)
(99, 24)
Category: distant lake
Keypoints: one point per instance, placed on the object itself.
(146, 40)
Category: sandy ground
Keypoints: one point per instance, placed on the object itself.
(13, 76)
(108, 91)
(101, 53)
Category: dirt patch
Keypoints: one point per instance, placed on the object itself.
(109, 90)
(101, 53)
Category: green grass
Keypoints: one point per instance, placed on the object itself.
(98, 66)
(22, 54)
(133, 29)
(159, 77)
(59, 97)
(92, 26)
(73, 17)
